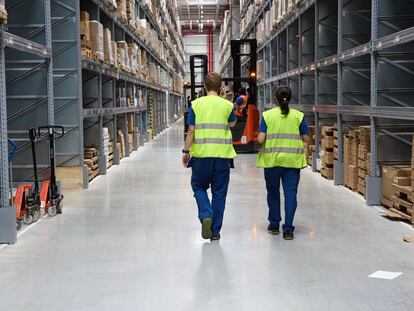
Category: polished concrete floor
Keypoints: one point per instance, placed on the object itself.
(132, 242)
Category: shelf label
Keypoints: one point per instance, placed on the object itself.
(397, 39)
(10, 40)
(29, 46)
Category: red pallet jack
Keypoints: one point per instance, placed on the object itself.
(50, 197)
(27, 211)
(19, 218)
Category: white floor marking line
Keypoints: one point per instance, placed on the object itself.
(385, 275)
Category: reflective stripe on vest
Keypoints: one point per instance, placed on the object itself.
(212, 126)
(217, 141)
(283, 136)
(283, 145)
(284, 150)
(212, 137)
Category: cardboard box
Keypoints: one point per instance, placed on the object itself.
(388, 175)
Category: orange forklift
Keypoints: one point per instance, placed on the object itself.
(247, 128)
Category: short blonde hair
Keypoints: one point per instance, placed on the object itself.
(212, 82)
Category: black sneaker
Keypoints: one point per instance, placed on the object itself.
(273, 230)
(288, 235)
(206, 228)
(215, 237)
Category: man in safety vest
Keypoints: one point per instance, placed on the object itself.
(283, 131)
(210, 144)
(241, 102)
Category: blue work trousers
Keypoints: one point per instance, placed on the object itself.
(214, 172)
(290, 180)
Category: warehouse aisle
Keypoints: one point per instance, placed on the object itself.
(132, 242)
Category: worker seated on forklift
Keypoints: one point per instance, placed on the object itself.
(240, 104)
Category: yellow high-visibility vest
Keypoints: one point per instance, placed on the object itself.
(213, 138)
(283, 146)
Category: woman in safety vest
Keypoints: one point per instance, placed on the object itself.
(282, 133)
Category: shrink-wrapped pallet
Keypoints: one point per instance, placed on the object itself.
(260, 32)
(260, 69)
(133, 54)
(108, 53)
(121, 9)
(97, 40)
(115, 53)
(130, 11)
(268, 28)
(84, 27)
(122, 52)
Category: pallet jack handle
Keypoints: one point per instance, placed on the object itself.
(10, 157)
(33, 138)
(51, 132)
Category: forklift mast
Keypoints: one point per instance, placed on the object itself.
(237, 79)
(200, 62)
(247, 127)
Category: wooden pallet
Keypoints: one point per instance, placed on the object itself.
(86, 52)
(93, 174)
(92, 163)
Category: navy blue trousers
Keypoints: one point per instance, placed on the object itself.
(214, 173)
(290, 180)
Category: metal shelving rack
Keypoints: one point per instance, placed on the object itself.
(104, 90)
(352, 65)
(44, 80)
(26, 95)
(233, 33)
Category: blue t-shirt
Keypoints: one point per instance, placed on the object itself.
(192, 117)
(239, 101)
(303, 128)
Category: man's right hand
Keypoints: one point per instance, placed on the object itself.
(185, 159)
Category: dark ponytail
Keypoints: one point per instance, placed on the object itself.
(283, 96)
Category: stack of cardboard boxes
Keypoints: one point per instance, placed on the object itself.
(310, 146)
(335, 150)
(91, 161)
(351, 143)
(396, 191)
(327, 154)
(121, 10)
(105, 143)
(364, 149)
(85, 33)
(131, 130)
(121, 143)
(130, 11)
